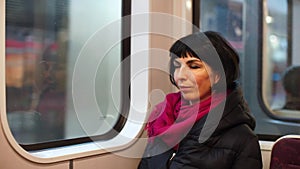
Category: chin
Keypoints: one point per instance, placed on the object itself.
(190, 97)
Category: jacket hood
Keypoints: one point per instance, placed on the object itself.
(229, 114)
(236, 112)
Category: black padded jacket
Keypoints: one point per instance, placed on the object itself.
(231, 144)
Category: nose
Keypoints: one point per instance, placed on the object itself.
(182, 73)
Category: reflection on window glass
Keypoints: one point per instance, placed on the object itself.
(43, 41)
(226, 17)
(276, 52)
(291, 83)
(282, 59)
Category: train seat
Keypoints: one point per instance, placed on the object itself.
(286, 153)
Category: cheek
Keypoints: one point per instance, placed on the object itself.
(203, 82)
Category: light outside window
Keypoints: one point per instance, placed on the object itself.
(50, 76)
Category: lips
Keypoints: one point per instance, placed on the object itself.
(185, 88)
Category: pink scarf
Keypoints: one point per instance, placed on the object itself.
(172, 119)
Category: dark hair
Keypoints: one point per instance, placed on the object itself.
(291, 80)
(211, 48)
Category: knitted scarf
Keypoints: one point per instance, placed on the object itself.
(172, 119)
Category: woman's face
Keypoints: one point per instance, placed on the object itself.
(193, 78)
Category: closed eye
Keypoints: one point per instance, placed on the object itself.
(195, 66)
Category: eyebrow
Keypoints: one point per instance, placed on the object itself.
(189, 61)
(194, 61)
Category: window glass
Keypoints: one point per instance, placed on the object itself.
(281, 76)
(281, 58)
(275, 56)
(47, 63)
(226, 17)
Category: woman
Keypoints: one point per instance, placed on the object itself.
(207, 124)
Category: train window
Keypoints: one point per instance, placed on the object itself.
(281, 60)
(266, 35)
(275, 56)
(225, 17)
(62, 82)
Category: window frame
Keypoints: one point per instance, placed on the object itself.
(269, 112)
(125, 91)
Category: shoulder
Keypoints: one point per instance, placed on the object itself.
(242, 130)
(238, 136)
(244, 143)
(236, 143)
